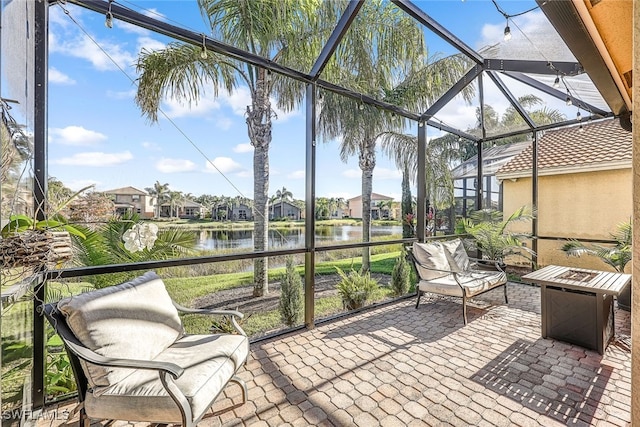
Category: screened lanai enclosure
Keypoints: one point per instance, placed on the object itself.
(221, 110)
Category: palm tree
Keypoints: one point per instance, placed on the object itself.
(160, 192)
(176, 201)
(283, 195)
(398, 70)
(441, 152)
(286, 32)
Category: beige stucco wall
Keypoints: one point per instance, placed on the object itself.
(586, 205)
(635, 304)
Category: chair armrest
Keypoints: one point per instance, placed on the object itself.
(233, 315)
(90, 356)
(476, 261)
(207, 311)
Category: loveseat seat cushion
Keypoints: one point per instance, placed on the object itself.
(474, 283)
(132, 320)
(209, 362)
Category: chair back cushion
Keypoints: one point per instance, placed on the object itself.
(430, 256)
(133, 320)
(456, 255)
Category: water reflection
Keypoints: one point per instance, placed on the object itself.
(289, 237)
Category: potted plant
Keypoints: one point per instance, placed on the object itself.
(27, 242)
(492, 237)
(616, 256)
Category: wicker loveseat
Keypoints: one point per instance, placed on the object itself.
(444, 268)
(132, 360)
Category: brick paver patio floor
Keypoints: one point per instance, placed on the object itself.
(396, 366)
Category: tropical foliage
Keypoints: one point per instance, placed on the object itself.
(492, 235)
(616, 256)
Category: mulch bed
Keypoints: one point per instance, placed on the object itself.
(241, 298)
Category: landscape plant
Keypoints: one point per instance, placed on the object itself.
(491, 234)
(616, 256)
(355, 288)
(291, 303)
(401, 275)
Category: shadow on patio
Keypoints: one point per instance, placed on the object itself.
(396, 365)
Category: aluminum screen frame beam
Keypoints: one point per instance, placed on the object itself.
(512, 99)
(458, 87)
(416, 13)
(523, 78)
(534, 67)
(191, 37)
(336, 37)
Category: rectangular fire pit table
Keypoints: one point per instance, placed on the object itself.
(577, 304)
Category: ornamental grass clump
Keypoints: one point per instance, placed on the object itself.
(355, 288)
(291, 301)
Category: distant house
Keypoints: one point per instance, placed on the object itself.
(284, 209)
(130, 200)
(186, 209)
(234, 212)
(584, 187)
(380, 209)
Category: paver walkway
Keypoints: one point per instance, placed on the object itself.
(397, 366)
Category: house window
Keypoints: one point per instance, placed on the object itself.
(242, 214)
(135, 197)
(139, 210)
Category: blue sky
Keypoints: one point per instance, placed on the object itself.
(98, 136)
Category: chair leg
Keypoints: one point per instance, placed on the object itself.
(418, 301)
(464, 308)
(506, 300)
(243, 386)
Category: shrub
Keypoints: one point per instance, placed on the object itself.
(291, 301)
(401, 275)
(355, 288)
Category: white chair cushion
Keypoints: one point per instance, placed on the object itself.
(456, 255)
(473, 283)
(133, 320)
(430, 255)
(209, 362)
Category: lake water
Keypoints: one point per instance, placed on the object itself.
(290, 237)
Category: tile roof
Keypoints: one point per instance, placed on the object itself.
(599, 144)
(126, 191)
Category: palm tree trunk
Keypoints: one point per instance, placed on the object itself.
(259, 125)
(367, 163)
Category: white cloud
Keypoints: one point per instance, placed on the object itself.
(243, 148)
(386, 173)
(224, 123)
(153, 13)
(95, 159)
(130, 28)
(83, 47)
(125, 94)
(223, 165)
(537, 28)
(75, 135)
(58, 77)
(299, 174)
(245, 174)
(150, 44)
(175, 165)
(203, 107)
(79, 184)
(151, 146)
(352, 173)
(340, 194)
